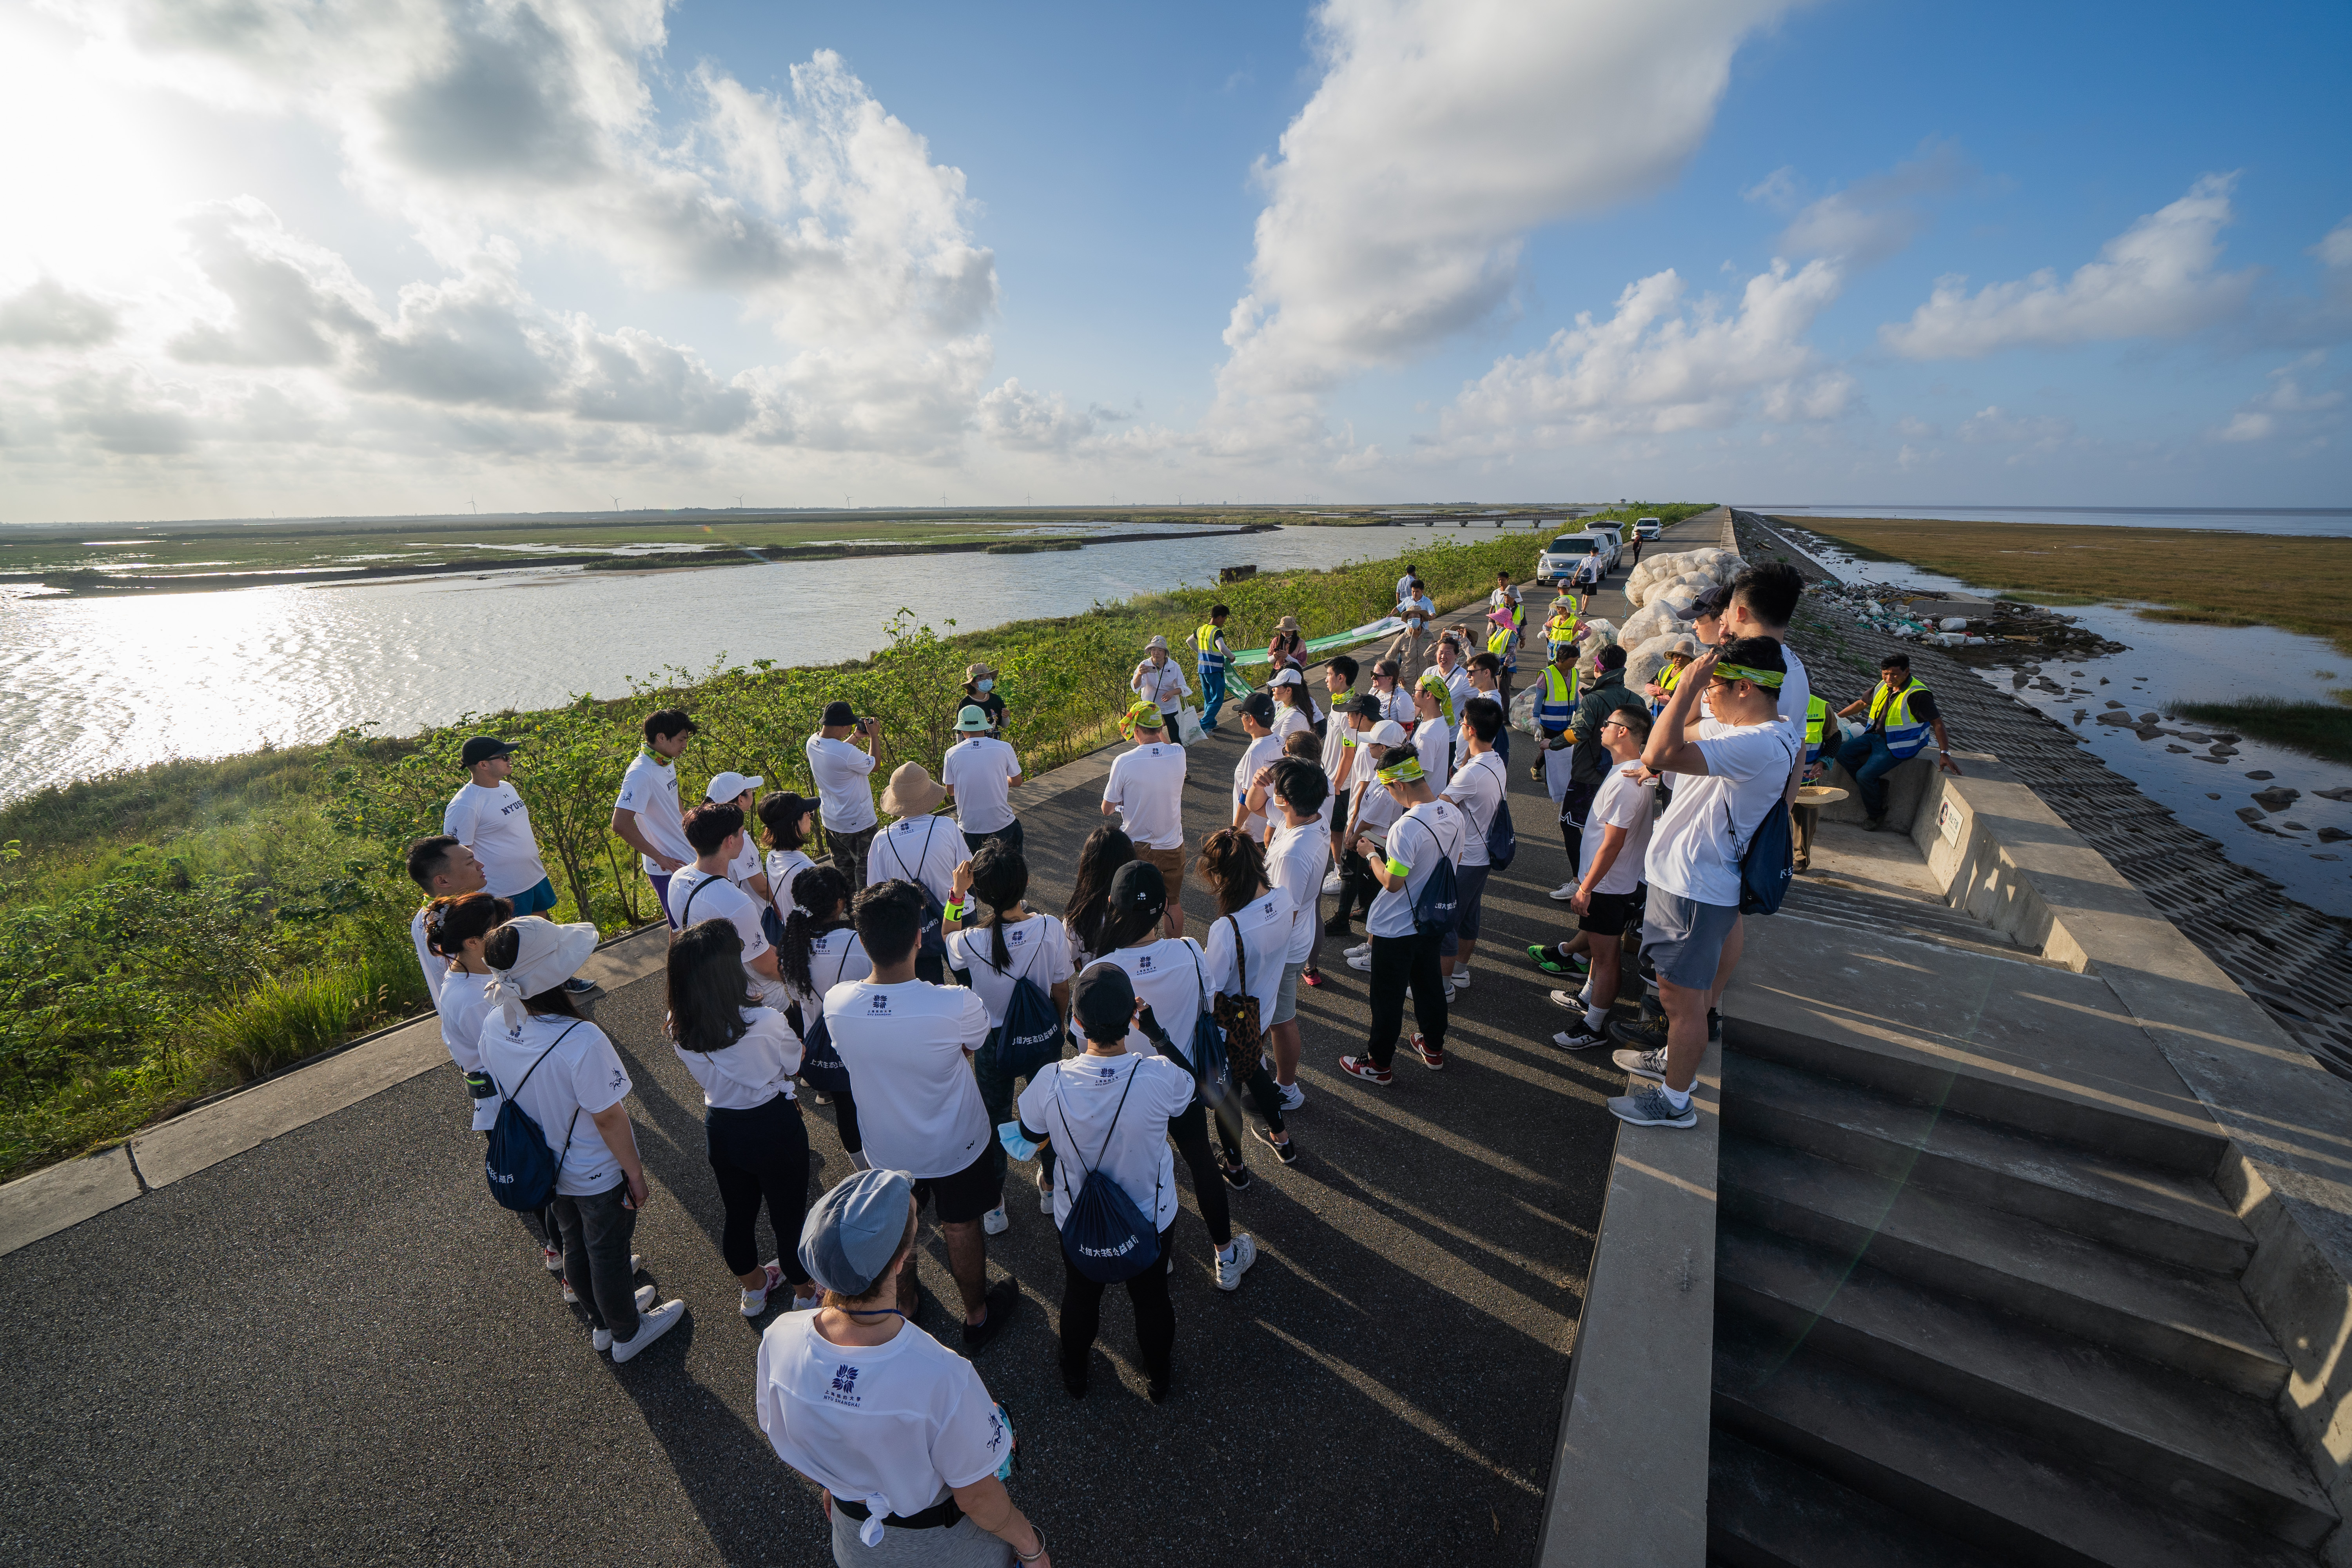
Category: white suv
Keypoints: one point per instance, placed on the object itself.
(1563, 555)
(1648, 528)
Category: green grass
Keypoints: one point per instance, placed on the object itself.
(2322, 729)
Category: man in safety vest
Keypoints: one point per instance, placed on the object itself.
(1555, 711)
(1209, 643)
(1901, 712)
(1560, 626)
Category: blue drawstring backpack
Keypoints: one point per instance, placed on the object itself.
(1031, 1034)
(821, 1068)
(1437, 907)
(1107, 1237)
(1209, 1064)
(1767, 863)
(520, 1167)
(1502, 839)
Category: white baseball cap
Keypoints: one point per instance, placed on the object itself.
(1388, 733)
(1286, 675)
(726, 786)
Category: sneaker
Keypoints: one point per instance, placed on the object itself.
(755, 1302)
(651, 1326)
(1432, 1059)
(1647, 1035)
(554, 1257)
(603, 1337)
(1462, 979)
(1311, 977)
(1578, 1038)
(1365, 1068)
(1236, 1174)
(995, 1221)
(1287, 1151)
(1651, 1108)
(1045, 1193)
(1361, 950)
(1549, 959)
(1002, 1299)
(1338, 928)
(1562, 893)
(579, 985)
(1362, 960)
(1452, 988)
(1714, 1025)
(1650, 1064)
(1293, 1097)
(1572, 1000)
(1229, 1272)
(1876, 825)
(1332, 883)
(808, 1303)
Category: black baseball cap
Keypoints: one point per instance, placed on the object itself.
(1363, 703)
(1711, 605)
(482, 748)
(1137, 885)
(1260, 707)
(1104, 1001)
(837, 714)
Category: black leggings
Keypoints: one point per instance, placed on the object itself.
(761, 1155)
(1155, 1315)
(1191, 1132)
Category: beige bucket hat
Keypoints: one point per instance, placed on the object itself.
(913, 792)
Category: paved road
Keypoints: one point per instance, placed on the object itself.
(334, 1347)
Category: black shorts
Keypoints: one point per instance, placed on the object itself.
(963, 1196)
(1607, 914)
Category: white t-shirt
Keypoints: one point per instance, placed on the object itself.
(1378, 808)
(1694, 850)
(1621, 802)
(1432, 741)
(845, 801)
(1404, 586)
(834, 956)
(1339, 751)
(1165, 685)
(893, 1425)
(1167, 974)
(1036, 949)
(1289, 721)
(782, 866)
(1147, 786)
(1458, 686)
(1431, 830)
(981, 771)
(1071, 1101)
(496, 825)
(1260, 753)
(434, 966)
(1296, 859)
(754, 1069)
(919, 1107)
(923, 849)
(1267, 925)
(697, 895)
(1796, 695)
(463, 1005)
(746, 865)
(583, 1075)
(1477, 787)
(649, 788)
(1396, 703)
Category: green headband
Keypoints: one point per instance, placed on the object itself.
(1405, 772)
(1769, 679)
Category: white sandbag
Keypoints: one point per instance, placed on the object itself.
(1953, 624)
(1642, 663)
(1649, 621)
(1679, 600)
(1523, 710)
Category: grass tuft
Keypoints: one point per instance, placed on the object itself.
(2322, 729)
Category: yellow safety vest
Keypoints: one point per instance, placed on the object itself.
(1905, 734)
(1204, 638)
(1817, 723)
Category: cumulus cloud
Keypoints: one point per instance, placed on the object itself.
(2287, 407)
(1443, 130)
(1015, 418)
(1872, 218)
(1658, 367)
(2155, 279)
(47, 314)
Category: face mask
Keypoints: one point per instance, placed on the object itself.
(983, 686)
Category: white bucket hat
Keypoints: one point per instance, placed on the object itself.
(547, 955)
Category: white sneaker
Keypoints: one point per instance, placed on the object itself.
(1564, 892)
(603, 1337)
(1045, 1192)
(755, 1302)
(554, 1258)
(995, 1221)
(1362, 960)
(1229, 1272)
(1293, 1097)
(807, 1303)
(1462, 978)
(1361, 950)
(1332, 883)
(652, 1326)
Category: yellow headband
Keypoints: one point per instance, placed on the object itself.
(1769, 679)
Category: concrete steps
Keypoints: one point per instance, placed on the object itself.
(1765, 1510)
(1825, 898)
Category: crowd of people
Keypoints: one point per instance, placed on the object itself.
(897, 974)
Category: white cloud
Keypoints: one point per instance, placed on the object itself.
(1013, 416)
(2287, 408)
(1441, 132)
(1995, 427)
(1872, 218)
(47, 314)
(1917, 428)
(2155, 279)
(1657, 367)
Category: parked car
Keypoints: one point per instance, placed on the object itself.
(1648, 528)
(1563, 555)
(1612, 541)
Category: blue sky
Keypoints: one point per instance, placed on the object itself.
(284, 257)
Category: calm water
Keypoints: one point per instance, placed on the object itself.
(88, 685)
(2321, 520)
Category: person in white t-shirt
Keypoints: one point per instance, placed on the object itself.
(1012, 943)
(1616, 843)
(1404, 583)
(1297, 795)
(1373, 811)
(1171, 975)
(1735, 771)
(747, 870)
(1248, 953)
(649, 816)
(490, 818)
(444, 868)
(1146, 792)
(820, 950)
(1403, 956)
(908, 1047)
(1433, 726)
(1261, 749)
(1395, 702)
(1478, 787)
(561, 1070)
(1293, 709)
(840, 759)
(978, 771)
(456, 928)
(898, 1429)
(787, 823)
(744, 1058)
(702, 892)
(921, 848)
(1108, 1112)
(1159, 680)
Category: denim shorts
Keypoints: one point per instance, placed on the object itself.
(1684, 938)
(1469, 898)
(1286, 1000)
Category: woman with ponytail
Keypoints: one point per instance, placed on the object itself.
(1016, 943)
(821, 951)
(1087, 916)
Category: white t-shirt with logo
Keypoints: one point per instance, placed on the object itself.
(919, 1107)
(1073, 1102)
(1260, 753)
(1147, 786)
(1339, 750)
(1457, 686)
(1429, 832)
(1796, 695)
(1036, 949)
(782, 867)
(1289, 721)
(1622, 800)
(1167, 974)
(496, 825)
(893, 1425)
(649, 788)
(1296, 859)
(1396, 703)
(1266, 924)
(834, 956)
(921, 849)
(981, 771)
(846, 800)
(1433, 742)
(695, 895)
(1477, 787)
(1695, 848)
(436, 967)
(463, 1005)
(582, 1074)
(754, 1069)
